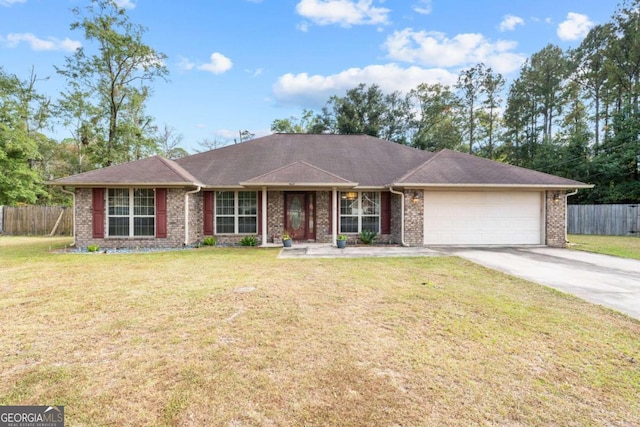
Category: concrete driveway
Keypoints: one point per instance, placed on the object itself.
(601, 279)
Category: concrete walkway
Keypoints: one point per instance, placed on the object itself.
(320, 250)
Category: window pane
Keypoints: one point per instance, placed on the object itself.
(247, 225)
(224, 203)
(348, 206)
(118, 201)
(371, 203)
(247, 203)
(224, 225)
(348, 224)
(143, 227)
(143, 201)
(371, 223)
(118, 226)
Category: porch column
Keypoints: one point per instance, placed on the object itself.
(264, 216)
(334, 216)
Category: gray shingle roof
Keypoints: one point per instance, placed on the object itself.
(313, 160)
(453, 168)
(363, 159)
(149, 171)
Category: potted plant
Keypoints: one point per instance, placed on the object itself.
(286, 240)
(341, 241)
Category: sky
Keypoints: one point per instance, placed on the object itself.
(238, 65)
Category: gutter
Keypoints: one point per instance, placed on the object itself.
(73, 212)
(401, 214)
(186, 213)
(566, 217)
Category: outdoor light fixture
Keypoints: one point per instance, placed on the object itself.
(416, 197)
(556, 198)
(351, 195)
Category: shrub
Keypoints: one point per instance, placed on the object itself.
(249, 241)
(368, 236)
(93, 248)
(209, 241)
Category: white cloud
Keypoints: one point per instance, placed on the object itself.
(14, 39)
(575, 27)
(185, 64)
(510, 22)
(218, 64)
(314, 90)
(11, 2)
(342, 12)
(125, 4)
(436, 49)
(423, 7)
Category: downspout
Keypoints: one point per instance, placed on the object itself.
(566, 216)
(186, 214)
(73, 211)
(399, 193)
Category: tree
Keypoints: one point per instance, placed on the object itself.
(397, 118)
(590, 63)
(435, 124)
(168, 143)
(492, 87)
(548, 70)
(113, 79)
(360, 111)
(307, 123)
(20, 182)
(470, 86)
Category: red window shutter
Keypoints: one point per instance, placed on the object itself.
(385, 219)
(331, 212)
(161, 213)
(207, 225)
(97, 212)
(259, 212)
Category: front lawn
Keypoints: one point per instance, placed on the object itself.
(621, 246)
(237, 337)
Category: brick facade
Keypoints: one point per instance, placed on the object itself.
(414, 218)
(555, 219)
(175, 224)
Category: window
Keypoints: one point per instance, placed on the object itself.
(236, 212)
(130, 212)
(359, 211)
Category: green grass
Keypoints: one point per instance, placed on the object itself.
(620, 246)
(164, 339)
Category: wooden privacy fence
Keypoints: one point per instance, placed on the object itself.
(605, 220)
(36, 220)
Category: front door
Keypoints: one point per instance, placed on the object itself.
(299, 213)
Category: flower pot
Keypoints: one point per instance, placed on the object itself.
(341, 244)
(286, 243)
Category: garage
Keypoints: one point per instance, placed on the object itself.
(483, 218)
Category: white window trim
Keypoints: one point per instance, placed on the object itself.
(131, 215)
(359, 215)
(236, 215)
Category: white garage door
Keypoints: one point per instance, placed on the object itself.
(482, 218)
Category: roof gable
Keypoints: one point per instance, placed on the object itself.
(154, 170)
(302, 174)
(452, 168)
